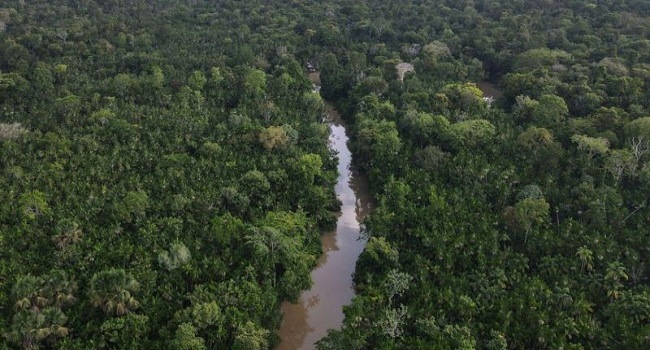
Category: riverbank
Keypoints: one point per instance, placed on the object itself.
(321, 307)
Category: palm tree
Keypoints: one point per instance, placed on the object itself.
(111, 291)
(34, 293)
(29, 327)
(26, 292)
(614, 274)
(22, 329)
(51, 321)
(69, 235)
(38, 301)
(586, 257)
(58, 289)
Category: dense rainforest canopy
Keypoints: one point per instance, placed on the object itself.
(166, 173)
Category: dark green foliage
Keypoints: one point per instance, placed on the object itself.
(170, 157)
(519, 222)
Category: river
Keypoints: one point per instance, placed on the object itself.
(320, 308)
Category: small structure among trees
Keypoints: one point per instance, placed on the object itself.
(403, 68)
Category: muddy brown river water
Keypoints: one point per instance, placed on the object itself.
(320, 308)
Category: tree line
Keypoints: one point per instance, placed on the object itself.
(517, 223)
(166, 172)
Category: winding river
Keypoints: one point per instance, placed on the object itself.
(320, 308)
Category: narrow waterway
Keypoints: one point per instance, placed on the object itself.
(320, 308)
